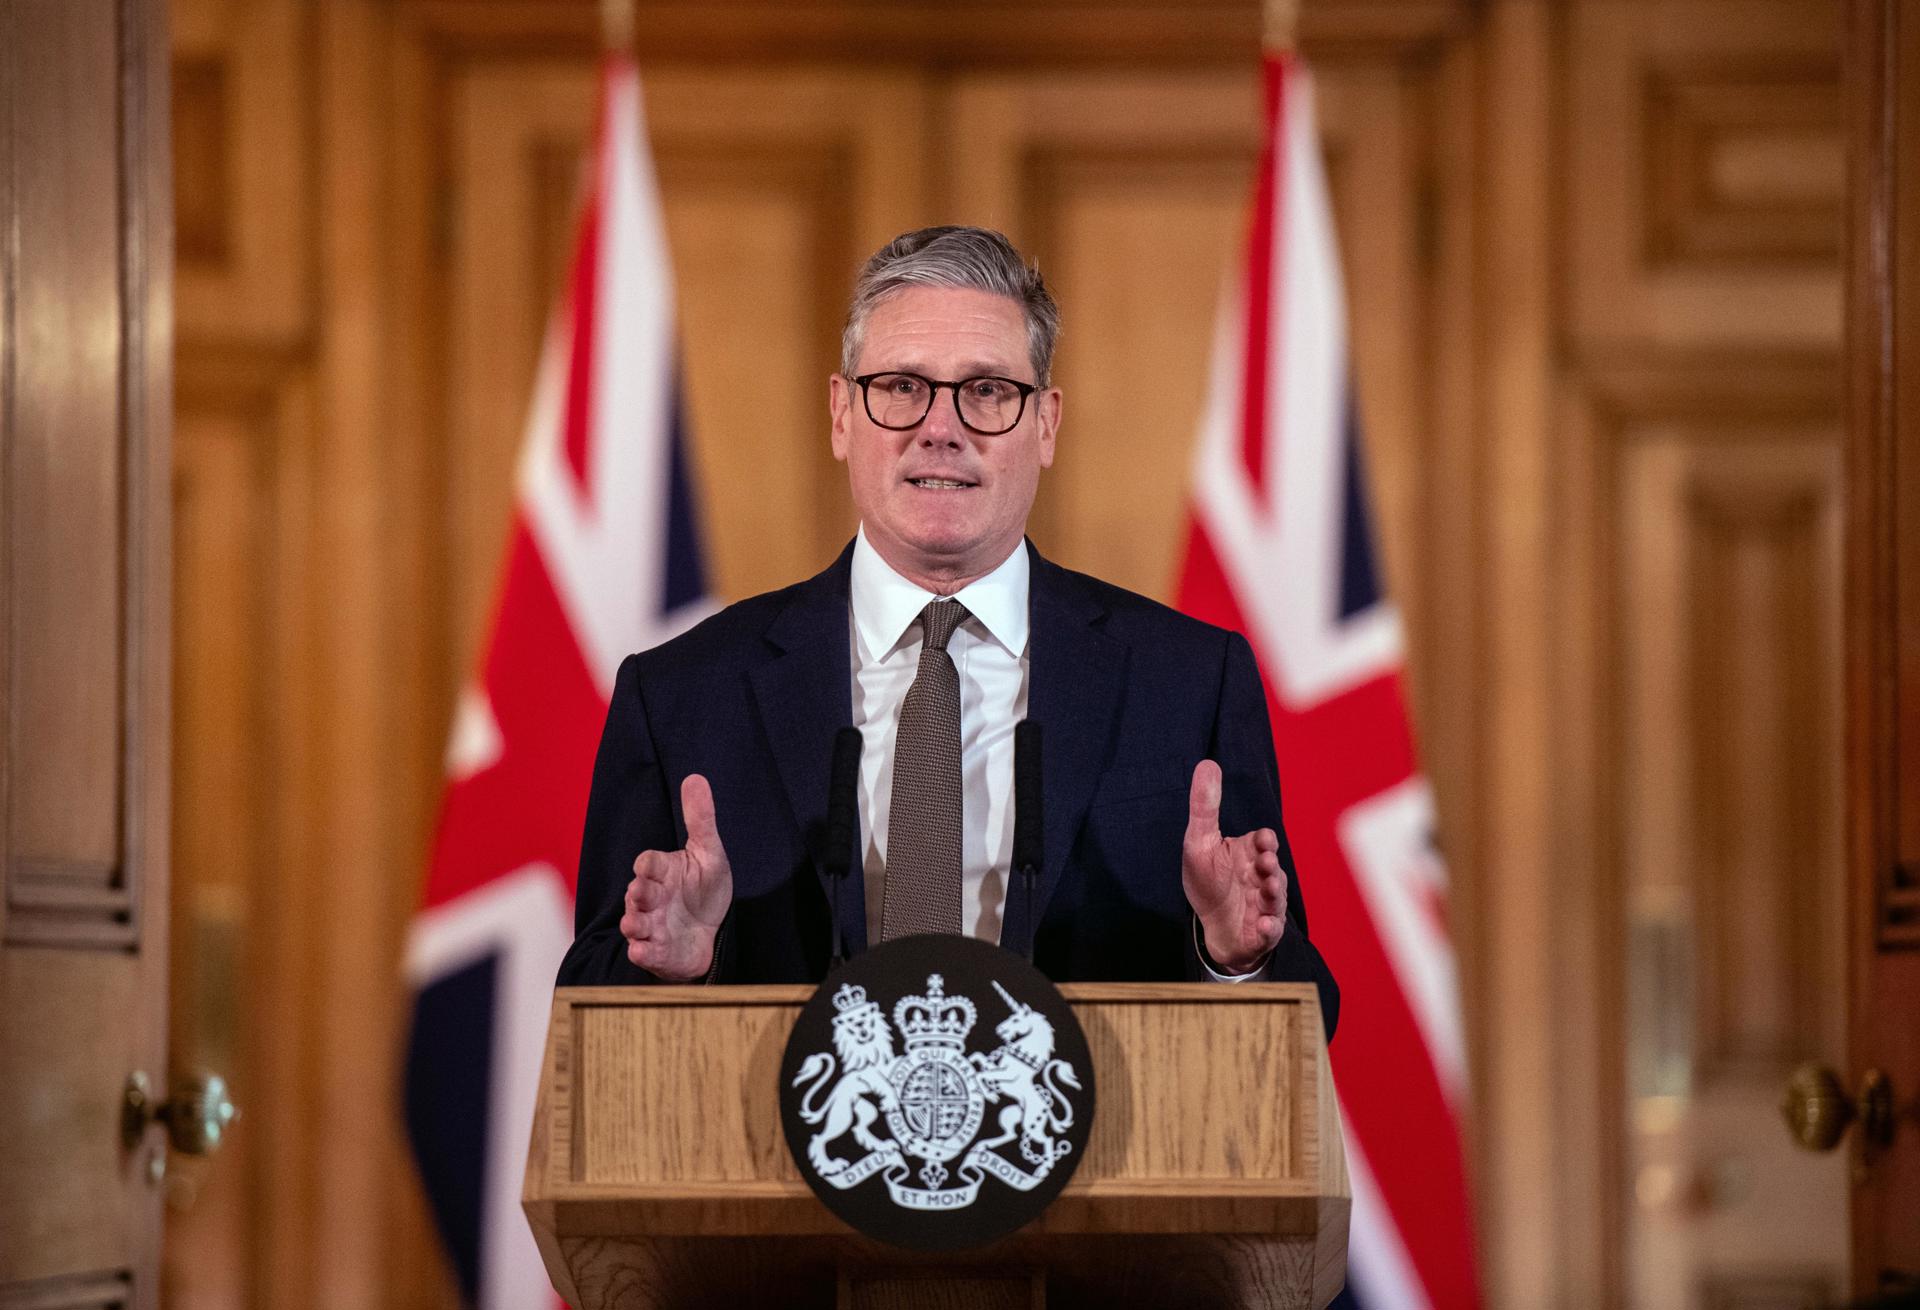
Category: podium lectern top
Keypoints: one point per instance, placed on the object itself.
(659, 1175)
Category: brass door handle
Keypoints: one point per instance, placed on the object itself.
(1818, 1110)
(196, 1115)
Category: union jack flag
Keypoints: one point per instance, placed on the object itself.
(1280, 546)
(603, 558)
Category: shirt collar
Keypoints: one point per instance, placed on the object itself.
(886, 604)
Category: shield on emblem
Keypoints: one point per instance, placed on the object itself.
(939, 1105)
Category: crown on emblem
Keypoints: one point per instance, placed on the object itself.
(935, 1018)
(850, 997)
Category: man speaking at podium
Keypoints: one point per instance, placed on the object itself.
(935, 632)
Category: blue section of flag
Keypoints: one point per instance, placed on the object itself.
(449, 1060)
(686, 579)
(1359, 578)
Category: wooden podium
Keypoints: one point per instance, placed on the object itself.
(1215, 1176)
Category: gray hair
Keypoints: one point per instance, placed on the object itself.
(965, 258)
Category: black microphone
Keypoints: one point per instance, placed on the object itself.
(1029, 818)
(843, 820)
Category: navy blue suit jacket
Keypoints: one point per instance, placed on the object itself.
(1130, 696)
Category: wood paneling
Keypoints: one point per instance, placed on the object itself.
(942, 36)
(236, 1231)
(1883, 619)
(242, 132)
(1762, 663)
(1698, 529)
(203, 209)
(85, 344)
(1655, 788)
(1715, 838)
(1701, 165)
(1702, 514)
(249, 805)
(1744, 163)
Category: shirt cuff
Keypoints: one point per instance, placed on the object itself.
(1206, 961)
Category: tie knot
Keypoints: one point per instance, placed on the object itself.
(939, 619)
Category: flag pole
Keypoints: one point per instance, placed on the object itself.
(616, 26)
(1280, 33)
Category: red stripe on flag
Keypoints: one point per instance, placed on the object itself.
(1256, 374)
(1203, 591)
(529, 804)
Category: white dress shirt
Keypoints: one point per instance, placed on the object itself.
(989, 651)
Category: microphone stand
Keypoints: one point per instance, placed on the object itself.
(843, 826)
(1029, 824)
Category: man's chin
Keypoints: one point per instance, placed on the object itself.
(943, 554)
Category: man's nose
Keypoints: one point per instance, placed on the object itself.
(942, 425)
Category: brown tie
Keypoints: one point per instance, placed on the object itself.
(923, 826)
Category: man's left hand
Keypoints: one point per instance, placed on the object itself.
(1234, 884)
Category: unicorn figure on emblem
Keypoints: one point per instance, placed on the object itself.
(1025, 1071)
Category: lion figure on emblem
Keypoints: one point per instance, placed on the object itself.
(864, 1044)
(1025, 1071)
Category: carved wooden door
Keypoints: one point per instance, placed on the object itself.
(85, 306)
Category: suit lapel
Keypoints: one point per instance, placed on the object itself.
(805, 695)
(1076, 676)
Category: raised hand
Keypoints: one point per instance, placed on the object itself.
(677, 899)
(1234, 884)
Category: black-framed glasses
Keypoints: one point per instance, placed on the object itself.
(988, 405)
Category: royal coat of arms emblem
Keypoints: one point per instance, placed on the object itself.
(927, 1114)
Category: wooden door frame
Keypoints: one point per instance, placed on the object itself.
(1883, 610)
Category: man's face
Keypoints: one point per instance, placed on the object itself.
(923, 529)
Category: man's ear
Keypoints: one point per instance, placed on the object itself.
(840, 412)
(1048, 405)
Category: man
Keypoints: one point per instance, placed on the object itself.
(935, 632)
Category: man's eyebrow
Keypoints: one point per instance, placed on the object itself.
(970, 369)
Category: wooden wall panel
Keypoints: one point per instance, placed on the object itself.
(242, 144)
(1700, 718)
(239, 1229)
(1699, 529)
(241, 993)
(1762, 666)
(220, 838)
(1720, 821)
(1654, 788)
(1704, 165)
(1742, 163)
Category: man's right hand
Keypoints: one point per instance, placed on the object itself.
(677, 899)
